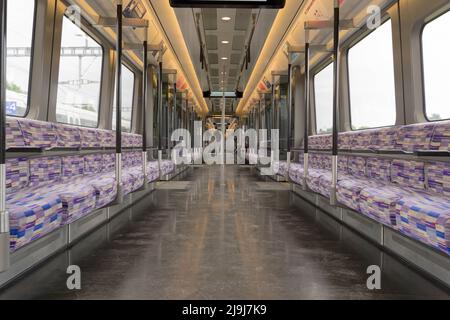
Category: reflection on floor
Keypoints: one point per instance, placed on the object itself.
(227, 236)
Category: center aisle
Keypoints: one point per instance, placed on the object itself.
(222, 234)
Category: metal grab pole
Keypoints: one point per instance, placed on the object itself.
(4, 218)
(336, 88)
(160, 118)
(144, 110)
(119, 103)
(289, 106)
(307, 114)
(168, 120)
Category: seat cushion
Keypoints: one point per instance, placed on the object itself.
(78, 198)
(426, 217)
(296, 173)
(167, 167)
(349, 189)
(152, 171)
(32, 216)
(313, 179)
(137, 173)
(379, 202)
(105, 187)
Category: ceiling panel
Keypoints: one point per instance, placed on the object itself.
(209, 18)
(213, 58)
(235, 58)
(238, 42)
(211, 42)
(242, 19)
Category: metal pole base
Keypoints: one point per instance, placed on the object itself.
(119, 198)
(4, 252)
(333, 198)
(145, 186)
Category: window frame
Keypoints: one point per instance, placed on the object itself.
(89, 32)
(322, 65)
(364, 33)
(132, 69)
(422, 65)
(30, 75)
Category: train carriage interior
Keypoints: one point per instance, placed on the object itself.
(225, 150)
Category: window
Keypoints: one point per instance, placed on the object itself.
(323, 95)
(372, 80)
(127, 99)
(80, 75)
(436, 46)
(20, 24)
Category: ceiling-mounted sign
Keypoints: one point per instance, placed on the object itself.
(267, 4)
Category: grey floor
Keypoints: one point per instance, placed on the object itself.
(221, 233)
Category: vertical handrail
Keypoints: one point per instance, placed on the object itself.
(289, 106)
(336, 88)
(307, 112)
(4, 218)
(169, 116)
(160, 118)
(144, 108)
(119, 48)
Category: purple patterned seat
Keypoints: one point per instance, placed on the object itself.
(425, 216)
(109, 162)
(77, 201)
(32, 216)
(380, 202)
(441, 137)
(319, 166)
(104, 185)
(107, 138)
(67, 136)
(152, 171)
(44, 171)
(90, 138)
(167, 167)
(17, 173)
(296, 173)
(416, 137)
(326, 179)
(38, 134)
(131, 178)
(320, 142)
(14, 136)
(362, 140)
(345, 140)
(93, 164)
(349, 188)
(384, 139)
